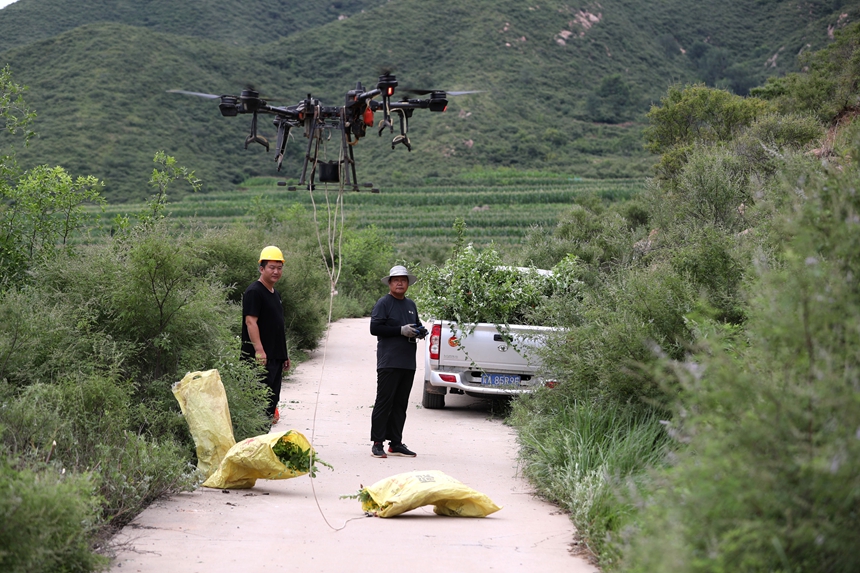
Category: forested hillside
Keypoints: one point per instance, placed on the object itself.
(232, 23)
(563, 87)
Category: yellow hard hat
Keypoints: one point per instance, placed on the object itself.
(271, 253)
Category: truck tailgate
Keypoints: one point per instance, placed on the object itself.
(487, 348)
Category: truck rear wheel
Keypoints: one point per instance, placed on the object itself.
(433, 401)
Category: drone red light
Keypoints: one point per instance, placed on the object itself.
(390, 91)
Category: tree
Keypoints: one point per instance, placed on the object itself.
(695, 114)
(613, 101)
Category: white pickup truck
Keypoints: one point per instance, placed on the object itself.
(483, 362)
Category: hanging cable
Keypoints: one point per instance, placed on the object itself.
(333, 246)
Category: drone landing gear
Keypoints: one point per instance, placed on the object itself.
(327, 171)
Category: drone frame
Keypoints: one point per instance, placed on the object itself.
(352, 120)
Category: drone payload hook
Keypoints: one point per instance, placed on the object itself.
(402, 138)
(253, 137)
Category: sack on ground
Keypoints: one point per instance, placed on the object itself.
(254, 458)
(203, 402)
(407, 491)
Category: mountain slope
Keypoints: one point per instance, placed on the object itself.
(563, 89)
(233, 23)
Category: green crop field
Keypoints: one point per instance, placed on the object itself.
(419, 219)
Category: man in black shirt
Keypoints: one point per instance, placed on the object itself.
(394, 321)
(263, 335)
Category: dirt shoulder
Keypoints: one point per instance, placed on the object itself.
(303, 523)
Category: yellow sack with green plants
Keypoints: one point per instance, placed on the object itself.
(203, 402)
(281, 455)
(407, 491)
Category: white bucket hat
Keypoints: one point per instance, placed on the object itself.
(399, 271)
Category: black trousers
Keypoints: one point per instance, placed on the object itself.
(393, 386)
(272, 379)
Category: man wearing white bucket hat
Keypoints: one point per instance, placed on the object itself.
(395, 324)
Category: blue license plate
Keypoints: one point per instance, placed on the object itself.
(500, 380)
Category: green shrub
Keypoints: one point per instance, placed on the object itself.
(711, 261)
(695, 115)
(47, 520)
(614, 330)
(87, 424)
(766, 474)
(613, 101)
(597, 235)
(367, 255)
(61, 337)
(166, 300)
(246, 396)
(475, 287)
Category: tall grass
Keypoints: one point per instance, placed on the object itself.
(581, 456)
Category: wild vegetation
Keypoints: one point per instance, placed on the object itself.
(706, 415)
(94, 334)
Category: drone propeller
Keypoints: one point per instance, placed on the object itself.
(426, 92)
(198, 94)
(247, 93)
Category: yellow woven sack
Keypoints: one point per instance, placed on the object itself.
(203, 402)
(253, 459)
(405, 492)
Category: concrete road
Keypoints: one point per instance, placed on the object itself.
(302, 524)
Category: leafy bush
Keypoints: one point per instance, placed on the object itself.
(711, 190)
(245, 396)
(166, 300)
(47, 519)
(613, 101)
(695, 115)
(129, 469)
(475, 287)
(765, 477)
(713, 263)
(367, 256)
(592, 233)
(613, 330)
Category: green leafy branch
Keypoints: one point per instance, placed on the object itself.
(296, 458)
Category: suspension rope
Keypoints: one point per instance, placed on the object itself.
(334, 236)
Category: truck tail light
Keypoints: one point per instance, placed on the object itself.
(448, 377)
(435, 337)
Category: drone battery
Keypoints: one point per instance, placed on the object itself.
(329, 171)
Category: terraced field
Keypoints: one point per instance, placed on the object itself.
(420, 220)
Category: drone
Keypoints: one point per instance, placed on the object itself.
(352, 120)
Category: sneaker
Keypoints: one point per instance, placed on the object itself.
(377, 451)
(400, 450)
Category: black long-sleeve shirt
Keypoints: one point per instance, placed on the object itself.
(393, 350)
